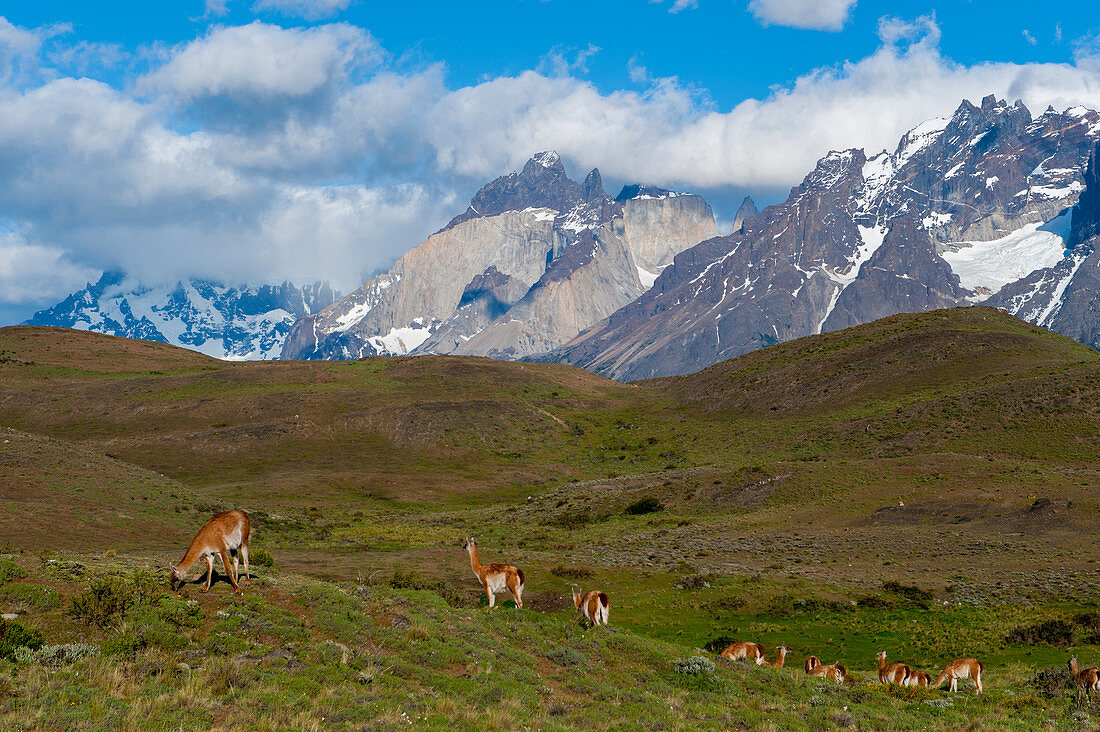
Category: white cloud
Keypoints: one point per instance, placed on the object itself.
(333, 161)
(264, 62)
(307, 9)
(36, 273)
(1031, 40)
(681, 5)
(808, 14)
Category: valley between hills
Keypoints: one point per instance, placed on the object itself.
(923, 483)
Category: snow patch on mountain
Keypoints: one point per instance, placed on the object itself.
(990, 265)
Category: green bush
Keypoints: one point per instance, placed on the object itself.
(567, 657)
(1056, 632)
(261, 558)
(9, 571)
(572, 573)
(643, 506)
(915, 595)
(105, 601)
(14, 635)
(413, 581)
(695, 666)
(30, 595)
(55, 655)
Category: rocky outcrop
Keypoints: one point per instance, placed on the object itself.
(745, 210)
(961, 209)
(236, 323)
(534, 259)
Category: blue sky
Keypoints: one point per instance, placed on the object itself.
(262, 140)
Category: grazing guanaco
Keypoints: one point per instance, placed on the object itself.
(894, 673)
(495, 577)
(223, 534)
(593, 605)
(1088, 679)
(783, 650)
(744, 650)
(961, 668)
(832, 672)
(919, 678)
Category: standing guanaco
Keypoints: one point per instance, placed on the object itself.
(494, 577)
(961, 668)
(1088, 679)
(894, 673)
(744, 650)
(223, 534)
(593, 605)
(832, 672)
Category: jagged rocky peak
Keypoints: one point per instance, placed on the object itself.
(541, 183)
(747, 209)
(834, 168)
(1086, 214)
(640, 190)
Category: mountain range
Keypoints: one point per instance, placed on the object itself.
(247, 322)
(991, 205)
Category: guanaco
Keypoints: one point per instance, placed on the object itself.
(894, 673)
(832, 672)
(744, 650)
(593, 605)
(495, 577)
(919, 678)
(783, 650)
(223, 534)
(961, 668)
(1088, 679)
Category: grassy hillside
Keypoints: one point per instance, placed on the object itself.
(925, 484)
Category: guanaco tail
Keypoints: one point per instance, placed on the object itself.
(224, 534)
(1088, 679)
(832, 672)
(744, 650)
(593, 605)
(494, 577)
(961, 668)
(894, 673)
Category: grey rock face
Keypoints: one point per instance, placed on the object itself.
(745, 210)
(535, 259)
(246, 322)
(963, 207)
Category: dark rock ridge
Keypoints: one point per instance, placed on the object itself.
(746, 209)
(242, 322)
(534, 259)
(963, 209)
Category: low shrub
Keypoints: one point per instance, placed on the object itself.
(694, 582)
(9, 571)
(781, 606)
(1056, 632)
(261, 558)
(695, 666)
(916, 596)
(567, 657)
(1052, 682)
(55, 655)
(412, 581)
(643, 506)
(572, 573)
(30, 595)
(105, 601)
(14, 636)
(719, 644)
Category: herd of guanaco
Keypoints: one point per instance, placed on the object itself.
(226, 535)
(892, 673)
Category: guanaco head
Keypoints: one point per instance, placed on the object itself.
(882, 655)
(576, 595)
(174, 578)
(469, 543)
(1073, 665)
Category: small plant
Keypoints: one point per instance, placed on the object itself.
(1056, 632)
(104, 601)
(1053, 681)
(572, 573)
(938, 703)
(695, 666)
(55, 655)
(261, 558)
(566, 657)
(694, 582)
(30, 595)
(643, 506)
(9, 571)
(915, 595)
(14, 636)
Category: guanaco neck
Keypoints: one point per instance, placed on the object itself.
(475, 562)
(576, 599)
(190, 557)
(1073, 668)
(881, 662)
